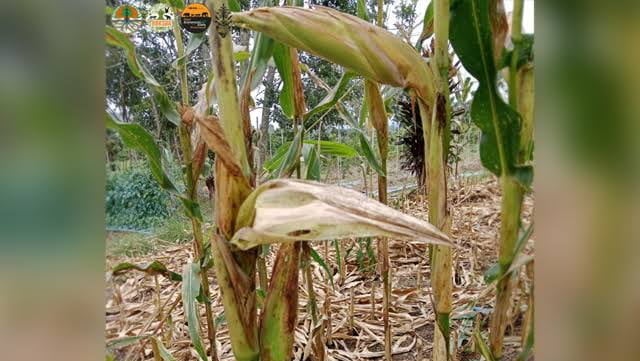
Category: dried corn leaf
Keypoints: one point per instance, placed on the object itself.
(286, 210)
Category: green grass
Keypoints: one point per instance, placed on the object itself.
(135, 244)
(175, 230)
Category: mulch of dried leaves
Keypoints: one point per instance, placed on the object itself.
(351, 310)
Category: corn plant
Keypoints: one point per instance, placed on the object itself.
(280, 211)
(437, 140)
(381, 57)
(193, 159)
(477, 35)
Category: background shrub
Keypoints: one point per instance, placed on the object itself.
(134, 201)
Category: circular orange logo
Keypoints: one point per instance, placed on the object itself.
(195, 18)
(127, 19)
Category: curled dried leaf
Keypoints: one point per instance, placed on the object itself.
(286, 210)
(187, 115)
(212, 132)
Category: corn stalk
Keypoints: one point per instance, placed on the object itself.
(475, 27)
(191, 180)
(436, 155)
(378, 117)
(234, 270)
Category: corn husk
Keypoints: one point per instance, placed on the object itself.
(345, 40)
(286, 210)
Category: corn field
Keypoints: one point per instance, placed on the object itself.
(278, 260)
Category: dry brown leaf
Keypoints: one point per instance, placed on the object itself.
(214, 137)
(287, 210)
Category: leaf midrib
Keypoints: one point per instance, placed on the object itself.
(494, 115)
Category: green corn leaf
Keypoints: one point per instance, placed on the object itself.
(283, 63)
(275, 161)
(367, 152)
(336, 246)
(482, 346)
(241, 56)
(361, 10)
(234, 5)
(340, 90)
(389, 94)
(195, 40)
(153, 268)
(497, 272)
(326, 148)
(281, 305)
(472, 40)
(260, 55)
(312, 159)
(292, 157)
(161, 350)
(167, 106)
(136, 137)
(120, 342)
(190, 291)
(320, 261)
(427, 25)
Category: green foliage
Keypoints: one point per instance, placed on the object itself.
(283, 62)
(135, 201)
(153, 268)
(364, 253)
(136, 137)
(472, 40)
(116, 38)
(190, 291)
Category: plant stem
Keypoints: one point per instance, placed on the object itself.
(383, 244)
(191, 185)
(436, 156)
(512, 192)
(512, 195)
(380, 122)
(238, 298)
(516, 38)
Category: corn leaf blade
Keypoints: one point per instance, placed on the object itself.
(361, 10)
(152, 268)
(312, 160)
(285, 69)
(472, 40)
(162, 351)
(190, 291)
(322, 263)
(334, 96)
(367, 152)
(167, 106)
(260, 55)
(195, 40)
(136, 137)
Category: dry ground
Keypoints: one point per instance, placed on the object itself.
(356, 333)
